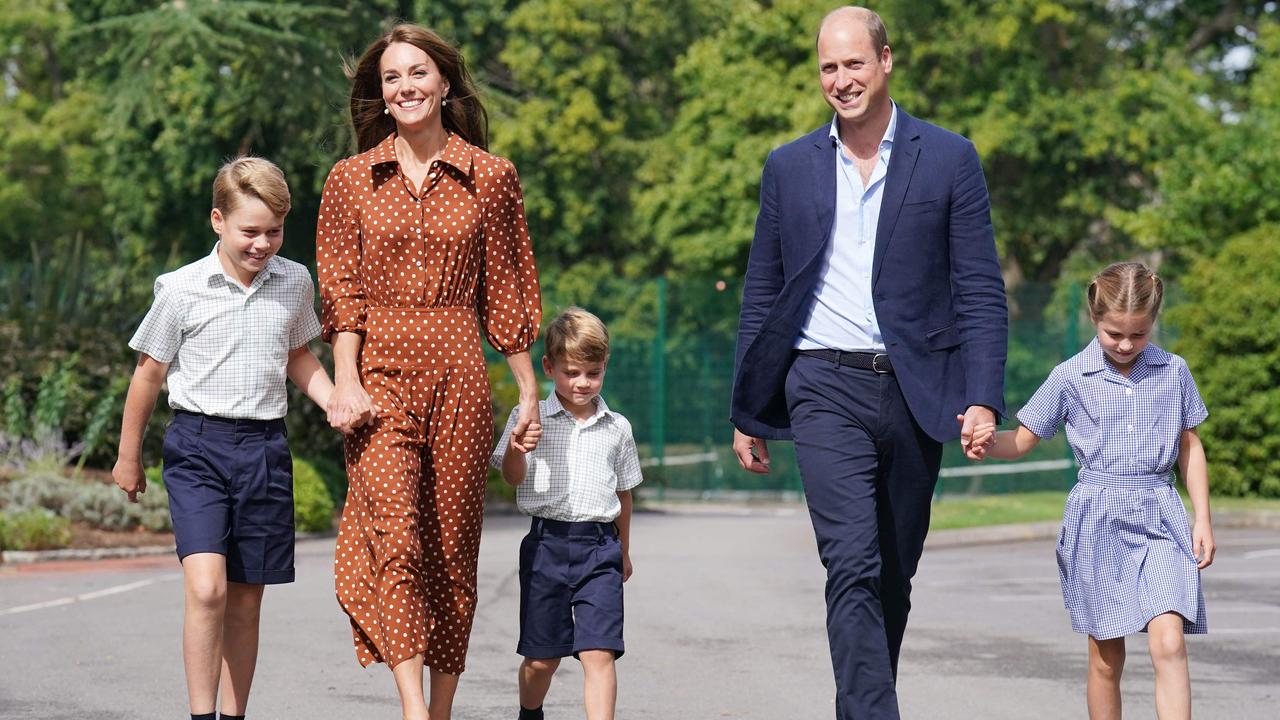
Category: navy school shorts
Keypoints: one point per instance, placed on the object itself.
(230, 486)
(570, 589)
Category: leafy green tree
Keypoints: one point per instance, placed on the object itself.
(1231, 341)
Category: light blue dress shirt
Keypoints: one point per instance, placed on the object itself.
(842, 316)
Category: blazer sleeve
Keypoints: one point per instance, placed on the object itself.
(982, 316)
(764, 278)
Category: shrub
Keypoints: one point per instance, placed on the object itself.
(334, 476)
(312, 506)
(1230, 338)
(33, 529)
(90, 502)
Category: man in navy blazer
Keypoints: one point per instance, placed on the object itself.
(873, 329)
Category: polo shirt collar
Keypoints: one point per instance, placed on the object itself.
(213, 269)
(554, 407)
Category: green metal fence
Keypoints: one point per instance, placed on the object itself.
(671, 374)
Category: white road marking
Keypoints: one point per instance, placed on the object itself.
(92, 595)
(1255, 554)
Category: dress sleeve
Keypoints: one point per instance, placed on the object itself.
(1193, 410)
(342, 296)
(1047, 408)
(508, 301)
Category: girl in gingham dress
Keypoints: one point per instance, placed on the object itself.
(1127, 559)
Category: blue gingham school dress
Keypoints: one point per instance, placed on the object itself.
(1124, 551)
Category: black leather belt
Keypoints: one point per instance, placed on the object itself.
(875, 362)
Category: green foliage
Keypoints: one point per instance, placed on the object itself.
(334, 475)
(33, 529)
(15, 409)
(94, 503)
(1221, 184)
(1231, 341)
(312, 506)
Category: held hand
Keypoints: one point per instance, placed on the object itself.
(528, 428)
(349, 407)
(626, 566)
(130, 478)
(974, 416)
(1202, 544)
(753, 453)
(982, 438)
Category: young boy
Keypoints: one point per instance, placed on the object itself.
(224, 332)
(577, 486)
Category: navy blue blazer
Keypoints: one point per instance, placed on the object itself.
(936, 284)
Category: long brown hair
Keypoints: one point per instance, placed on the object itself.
(463, 114)
(1128, 288)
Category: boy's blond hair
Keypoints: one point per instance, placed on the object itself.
(253, 176)
(578, 336)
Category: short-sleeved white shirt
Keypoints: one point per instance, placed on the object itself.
(227, 345)
(579, 467)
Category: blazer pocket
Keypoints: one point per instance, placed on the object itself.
(921, 206)
(943, 338)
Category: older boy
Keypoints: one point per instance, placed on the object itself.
(224, 332)
(577, 486)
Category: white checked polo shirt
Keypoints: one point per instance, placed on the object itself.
(578, 468)
(227, 345)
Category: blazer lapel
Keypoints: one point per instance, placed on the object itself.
(902, 163)
(824, 198)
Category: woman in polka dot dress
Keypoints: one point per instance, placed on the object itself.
(421, 242)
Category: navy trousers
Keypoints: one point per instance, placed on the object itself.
(869, 473)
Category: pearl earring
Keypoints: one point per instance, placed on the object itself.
(444, 102)
(386, 110)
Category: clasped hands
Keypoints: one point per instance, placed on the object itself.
(349, 407)
(977, 431)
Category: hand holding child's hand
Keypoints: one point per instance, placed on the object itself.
(528, 428)
(1202, 543)
(130, 478)
(349, 407)
(977, 439)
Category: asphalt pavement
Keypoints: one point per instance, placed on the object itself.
(725, 619)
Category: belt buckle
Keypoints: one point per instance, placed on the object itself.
(876, 368)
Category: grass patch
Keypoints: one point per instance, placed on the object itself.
(961, 511)
(952, 511)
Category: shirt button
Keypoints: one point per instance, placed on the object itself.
(1130, 428)
(1128, 391)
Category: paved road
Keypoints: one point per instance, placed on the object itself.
(725, 620)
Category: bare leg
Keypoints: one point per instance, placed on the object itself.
(443, 687)
(408, 675)
(205, 581)
(1169, 658)
(240, 645)
(600, 683)
(1106, 663)
(535, 680)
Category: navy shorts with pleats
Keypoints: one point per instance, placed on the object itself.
(230, 487)
(570, 589)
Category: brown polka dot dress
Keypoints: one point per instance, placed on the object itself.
(420, 272)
